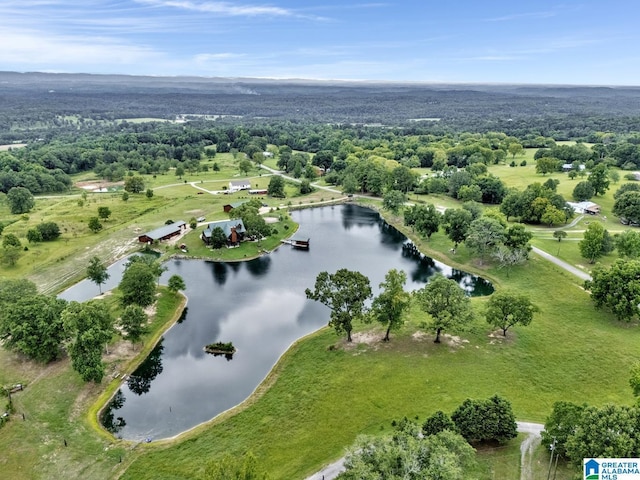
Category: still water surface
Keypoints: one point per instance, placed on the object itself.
(261, 307)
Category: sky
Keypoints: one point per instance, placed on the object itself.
(433, 41)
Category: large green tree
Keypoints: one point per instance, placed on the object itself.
(392, 304)
(48, 230)
(30, 323)
(486, 420)
(599, 179)
(425, 219)
(438, 422)
(506, 309)
(90, 327)
(617, 288)
(97, 272)
(104, 212)
(138, 284)
(404, 455)
(176, 282)
(583, 191)
(20, 200)
(447, 303)
(345, 293)
(134, 184)
(561, 424)
(546, 165)
(596, 242)
(628, 243)
(608, 431)
(485, 234)
(133, 322)
(456, 223)
(627, 207)
(276, 187)
(218, 238)
(393, 200)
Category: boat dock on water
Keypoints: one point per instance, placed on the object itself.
(298, 244)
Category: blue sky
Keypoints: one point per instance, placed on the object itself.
(479, 41)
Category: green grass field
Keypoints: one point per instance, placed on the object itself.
(322, 393)
(59, 407)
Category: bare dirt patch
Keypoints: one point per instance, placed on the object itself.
(497, 338)
(97, 186)
(11, 146)
(453, 342)
(419, 335)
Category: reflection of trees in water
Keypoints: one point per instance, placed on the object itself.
(259, 266)
(219, 271)
(424, 267)
(139, 382)
(474, 286)
(391, 237)
(108, 419)
(183, 316)
(354, 215)
(427, 267)
(228, 356)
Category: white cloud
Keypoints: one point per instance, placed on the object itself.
(24, 47)
(222, 8)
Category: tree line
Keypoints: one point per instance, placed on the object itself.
(347, 292)
(44, 327)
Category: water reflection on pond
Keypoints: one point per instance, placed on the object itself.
(261, 307)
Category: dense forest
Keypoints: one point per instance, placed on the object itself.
(32, 103)
(360, 137)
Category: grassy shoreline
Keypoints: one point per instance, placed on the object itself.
(378, 382)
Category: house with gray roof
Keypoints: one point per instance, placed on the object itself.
(233, 229)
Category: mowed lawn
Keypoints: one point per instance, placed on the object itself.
(324, 392)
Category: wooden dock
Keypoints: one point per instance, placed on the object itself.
(298, 244)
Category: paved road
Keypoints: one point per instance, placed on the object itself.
(533, 429)
(562, 264)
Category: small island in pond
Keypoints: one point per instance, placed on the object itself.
(220, 348)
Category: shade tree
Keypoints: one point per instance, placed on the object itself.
(30, 323)
(97, 272)
(596, 242)
(138, 284)
(628, 243)
(345, 293)
(447, 304)
(406, 455)
(485, 234)
(617, 288)
(486, 420)
(392, 303)
(424, 219)
(456, 223)
(133, 322)
(90, 327)
(176, 283)
(20, 200)
(506, 309)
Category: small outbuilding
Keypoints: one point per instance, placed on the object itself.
(230, 206)
(588, 208)
(163, 233)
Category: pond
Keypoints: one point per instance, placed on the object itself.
(260, 306)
